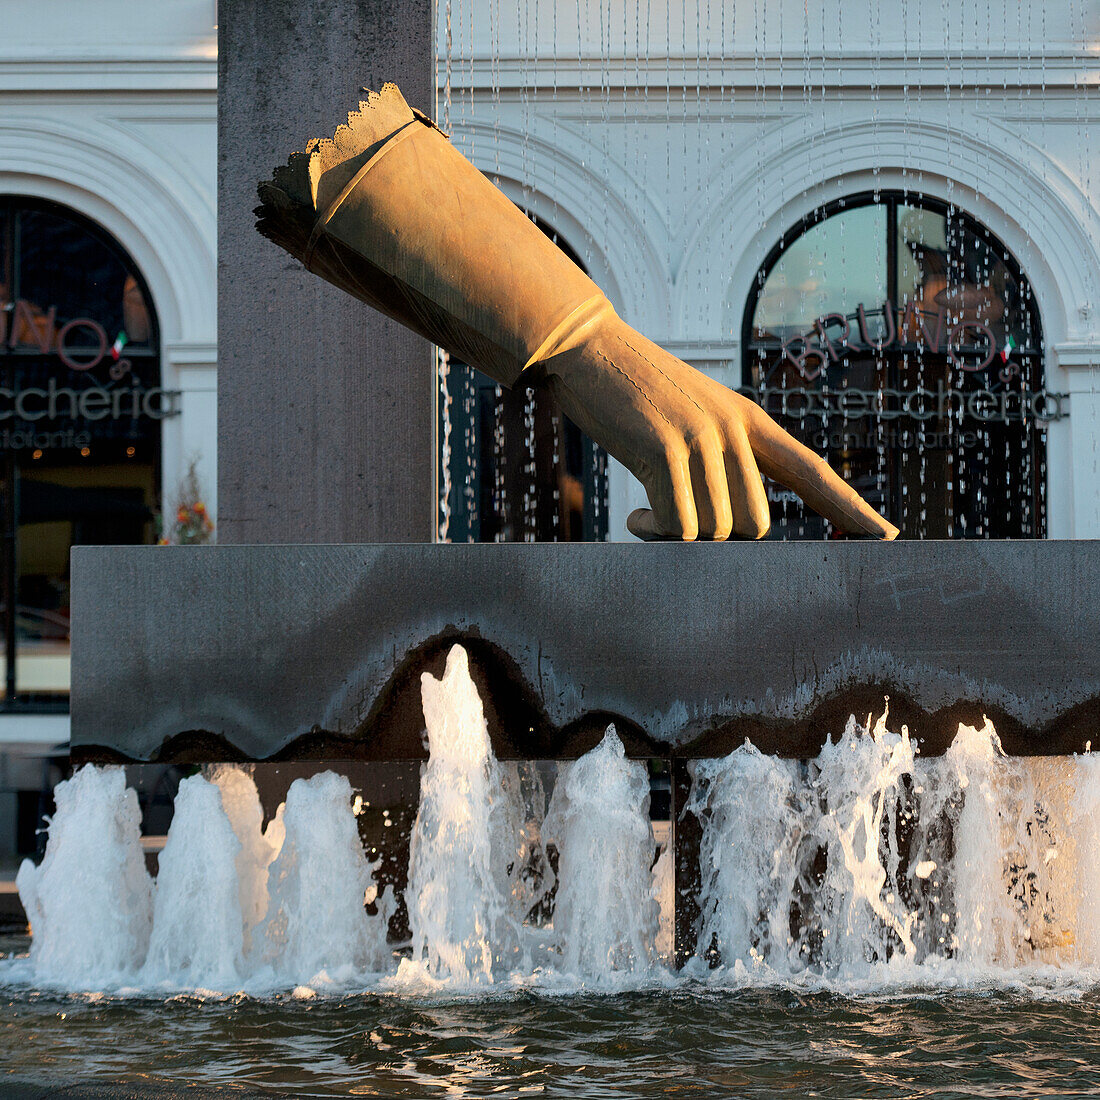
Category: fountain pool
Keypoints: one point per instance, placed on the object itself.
(693, 1041)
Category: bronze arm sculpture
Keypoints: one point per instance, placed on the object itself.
(391, 212)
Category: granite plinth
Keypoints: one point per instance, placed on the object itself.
(312, 652)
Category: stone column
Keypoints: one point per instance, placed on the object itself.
(325, 407)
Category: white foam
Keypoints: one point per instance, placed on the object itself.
(455, 897)
(749, 860)
(868, 865)
(258, 847)
(90, 901)
(606, 918)
(198, 928)
(317, 931)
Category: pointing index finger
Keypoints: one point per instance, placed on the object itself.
(784, 459)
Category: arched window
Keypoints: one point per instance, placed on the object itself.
(80, 412)
(900, 339)
(512, 466)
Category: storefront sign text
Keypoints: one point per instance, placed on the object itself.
(29, 326)
(56, 402)
(814, 351)
(81, 344)
(942, 403)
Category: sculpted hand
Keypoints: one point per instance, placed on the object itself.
(388, 210)
(698, 447)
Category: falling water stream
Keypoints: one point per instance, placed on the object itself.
(866, 884)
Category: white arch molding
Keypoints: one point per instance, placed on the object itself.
(1041, 214)
(168, 227)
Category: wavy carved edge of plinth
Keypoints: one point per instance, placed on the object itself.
(521, 729)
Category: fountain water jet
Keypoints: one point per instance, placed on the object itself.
(90, 901)
(753, 824)
(802, 866)
(478, 875)
(986, 924)
(317, 929)
(859, 787)
(606, 917)
(870, 862)
(198, 926)
(258, 846)
(456, 902)
(866, 863)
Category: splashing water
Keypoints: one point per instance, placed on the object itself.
(857, 788)
(480, 883)
(198, 928)
(212, 925)
(965, 784)
(1016, 870)
(456, 899)
(864, 866)
(90, 902)
(258, 846)
(317, 930)
(753, 826)
(523, 872)
(869, 862)
(606, 917)
(803, 865)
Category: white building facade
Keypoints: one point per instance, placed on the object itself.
(108, 143)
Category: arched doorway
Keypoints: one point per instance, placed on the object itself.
(512, 466)
(80, 411)
(899, 338)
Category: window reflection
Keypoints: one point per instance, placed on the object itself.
(901, 341)
(832, 267)
(79, 440)
(946, 266)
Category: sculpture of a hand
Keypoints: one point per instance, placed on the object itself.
(391, 212)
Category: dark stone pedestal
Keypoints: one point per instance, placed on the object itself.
(284, 652)
(298, 654)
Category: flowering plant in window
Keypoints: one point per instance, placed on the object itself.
(192, 525)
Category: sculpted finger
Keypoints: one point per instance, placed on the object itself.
(751, 512)
(641, 524)
(712, 494)
(668, 486)
(783, 458)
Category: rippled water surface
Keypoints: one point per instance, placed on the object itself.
(686, 1041)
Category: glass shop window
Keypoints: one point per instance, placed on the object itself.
(899, 339)
(511, 466)
(80, 413)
